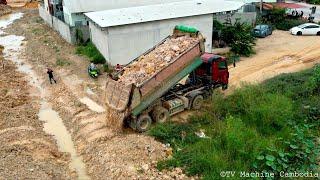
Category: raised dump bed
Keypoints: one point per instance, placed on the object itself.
(134, 96)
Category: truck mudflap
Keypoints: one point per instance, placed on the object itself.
(117, 95)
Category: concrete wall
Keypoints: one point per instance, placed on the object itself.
(247, 17)
(45, 15)
(68, 33)
(100, 39)
(121, 44)
(63, 29)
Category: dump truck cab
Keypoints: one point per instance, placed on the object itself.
(214, 70)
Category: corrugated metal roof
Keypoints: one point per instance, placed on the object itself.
(83, 6)
(141, 14)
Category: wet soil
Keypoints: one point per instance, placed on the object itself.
(78, 100)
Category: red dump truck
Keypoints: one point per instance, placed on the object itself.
(162, 95)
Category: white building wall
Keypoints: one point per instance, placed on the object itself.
(129, 41)
(99, 39)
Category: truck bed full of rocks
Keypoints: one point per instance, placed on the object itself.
(156, 60)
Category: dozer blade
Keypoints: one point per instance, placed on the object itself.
(117, 95)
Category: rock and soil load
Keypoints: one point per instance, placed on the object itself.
(153, 62)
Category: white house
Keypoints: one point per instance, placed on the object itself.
(123, 34)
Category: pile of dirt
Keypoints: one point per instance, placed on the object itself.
(4, 9)
(153, 62)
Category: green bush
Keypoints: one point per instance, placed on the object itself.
(91, 52)
(278, 19)
(239, 38)
(287, 24)
(313, 1)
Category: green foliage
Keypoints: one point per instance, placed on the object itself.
(279, 20)
(271, 127)
(79, 37)
(106, 68)
(239, 37)
(62, 62)
(299, 154)
(313, 1)
(92, 52)
(217, 25)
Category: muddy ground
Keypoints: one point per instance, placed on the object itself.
(25, 149)
(78, 100)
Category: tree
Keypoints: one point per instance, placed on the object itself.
(238, 36)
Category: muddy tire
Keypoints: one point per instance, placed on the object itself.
(143, 123)
(197, 102)
(318, 33)
(160, 115)
(299, 33)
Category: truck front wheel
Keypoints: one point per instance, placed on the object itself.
(197, 102)
(160, 114)
(143, 123)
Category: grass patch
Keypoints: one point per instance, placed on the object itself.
(91, 52)
(270, 127)
(62, 62)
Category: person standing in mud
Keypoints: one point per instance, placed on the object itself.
(50, 73)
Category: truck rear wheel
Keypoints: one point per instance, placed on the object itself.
(143, 123)
(160, 114)
(197, 102)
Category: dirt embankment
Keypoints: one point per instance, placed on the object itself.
(25, 149)
(125, 156)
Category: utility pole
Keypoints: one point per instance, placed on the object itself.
(261, 6)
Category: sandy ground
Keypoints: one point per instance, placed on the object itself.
(276, 54)
(78, 100)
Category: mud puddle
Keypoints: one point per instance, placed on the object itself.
(92, 105)
(6, 20)
(13, 46)
(54, 126)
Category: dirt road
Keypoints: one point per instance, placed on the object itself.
(276, 54)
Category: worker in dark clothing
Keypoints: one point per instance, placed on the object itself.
(50, 73)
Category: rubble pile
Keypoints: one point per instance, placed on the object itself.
(4, 9)
(153, 62)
